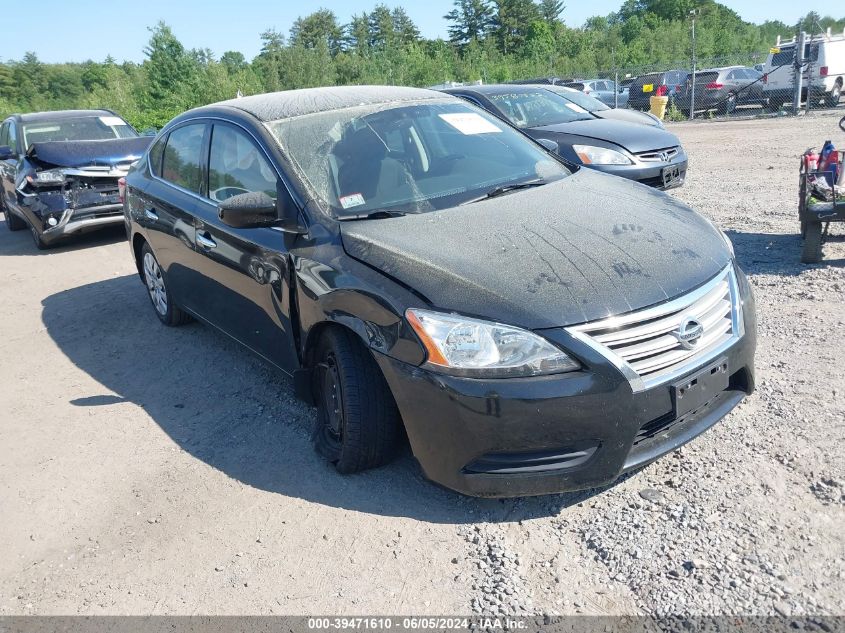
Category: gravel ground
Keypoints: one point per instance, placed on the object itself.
(146, 470)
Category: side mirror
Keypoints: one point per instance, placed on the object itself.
(549, 144)
(256, 209)
(6, 152)
(248, 210)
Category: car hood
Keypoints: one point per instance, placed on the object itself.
(632, 136)
(576, 250)
(104, 153)
(629, 116)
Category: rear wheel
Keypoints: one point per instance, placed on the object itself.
(13, 222)
(831, 99)
(811, 253)
(729, 105)
(166, 310)
(357, 420)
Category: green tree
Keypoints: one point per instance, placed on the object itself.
(550, 10)
(471, 21)
(318, 27)
(171, 75)
(511, 22)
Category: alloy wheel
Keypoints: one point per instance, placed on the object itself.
(155, 284)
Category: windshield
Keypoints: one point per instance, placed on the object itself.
(585, 101)
(536, 109)
(84, 128)
(410, 157)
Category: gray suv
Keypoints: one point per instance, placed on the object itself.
(722, 89)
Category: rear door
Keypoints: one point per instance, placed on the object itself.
(243, 282)
(779, 68)
(170, 204)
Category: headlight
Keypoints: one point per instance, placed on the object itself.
(592, 155)
(49, 177)
(481, 349)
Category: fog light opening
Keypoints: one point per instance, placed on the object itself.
(52, 221)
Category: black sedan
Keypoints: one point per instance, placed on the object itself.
(414, 262)
(646, 154)
(59, 171)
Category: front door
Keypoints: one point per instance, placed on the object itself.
(244, 277)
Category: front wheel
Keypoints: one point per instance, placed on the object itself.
(357, 420)
(166, 310)
(40, 244)
(811, 253)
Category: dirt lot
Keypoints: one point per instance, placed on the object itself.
(146, 470)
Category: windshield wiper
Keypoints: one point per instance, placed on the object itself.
(503, 189)
(373, 215)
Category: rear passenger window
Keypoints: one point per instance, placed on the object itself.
(237, 166)
(155, 156)
(182, 161)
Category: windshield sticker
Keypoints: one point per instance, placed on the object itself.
(469, 123)
(111, 121)
(576, 108)
(352, 200)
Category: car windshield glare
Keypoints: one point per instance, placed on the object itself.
(585, 101)
(85, 128)
(409, 157)
(536, 109)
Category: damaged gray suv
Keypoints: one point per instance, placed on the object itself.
(59, 171)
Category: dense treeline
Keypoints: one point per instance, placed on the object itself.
(492, 40)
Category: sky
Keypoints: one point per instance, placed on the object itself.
(93, 29)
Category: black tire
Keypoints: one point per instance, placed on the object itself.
(811, 252)
(40, 244)
(13, 222)
(156, 283)
(831, 99)
(728, 106)
(774, 105)
(358, 423)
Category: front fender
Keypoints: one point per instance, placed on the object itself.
(353, 295)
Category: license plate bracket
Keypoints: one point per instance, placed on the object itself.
(694, 391)
(671, 175)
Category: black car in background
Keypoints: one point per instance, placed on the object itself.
(59, 171)
(413, 261)
(668, 83)
(649, 155)
(602, 111)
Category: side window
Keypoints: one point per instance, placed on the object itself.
(13, 136)
(156, 155)
(182, 161)
(4, 133)
(237, 166)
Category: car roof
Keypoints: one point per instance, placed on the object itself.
(290, 103)
(498, 89)
(35, 117)
(719, 69)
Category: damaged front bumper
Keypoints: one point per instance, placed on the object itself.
(85, 199)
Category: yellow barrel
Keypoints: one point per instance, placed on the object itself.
(658, 106)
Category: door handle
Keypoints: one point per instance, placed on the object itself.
(151, 214)
(205, 241)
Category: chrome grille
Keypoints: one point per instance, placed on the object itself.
(658, 155)
(648, 346)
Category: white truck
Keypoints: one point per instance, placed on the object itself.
(824, 70)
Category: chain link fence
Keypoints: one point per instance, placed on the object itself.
(745, 84)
